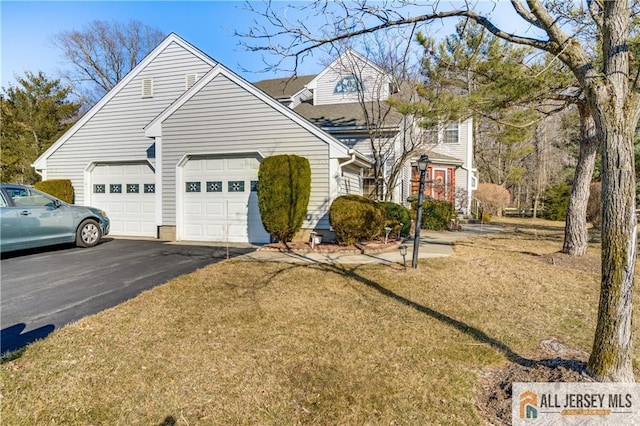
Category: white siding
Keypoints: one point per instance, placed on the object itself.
(456, 150)
(350, 181)
(223, 118)
(376, 85)
(116, 131)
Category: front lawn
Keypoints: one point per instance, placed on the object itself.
(243, 342)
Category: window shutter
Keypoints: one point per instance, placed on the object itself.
(147, 88)
(190, 80)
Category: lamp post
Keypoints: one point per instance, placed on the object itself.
(423, 161)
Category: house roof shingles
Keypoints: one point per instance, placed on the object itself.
(284, 87)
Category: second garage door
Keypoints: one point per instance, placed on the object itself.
(220, 201)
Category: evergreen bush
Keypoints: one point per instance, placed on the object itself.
(284, 188)
(397, 214)
(436, 214)
(556, 201)
(354, 217)
(59, 188)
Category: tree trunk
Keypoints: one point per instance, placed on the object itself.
(612, 348)
(576, 236)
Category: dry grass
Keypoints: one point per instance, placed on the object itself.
(267, 343)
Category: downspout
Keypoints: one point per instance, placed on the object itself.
(352, 152)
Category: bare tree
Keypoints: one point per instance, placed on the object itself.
(393, 135)
(102, 53)
(612, 93)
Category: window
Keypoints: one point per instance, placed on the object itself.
(133, 188)
(193, 187)
(450, 134)
(368, 183)
(115, 188)
(149, 188)
(254, 186)
(99, 189)
(214, 186)
(349, 84)
(236, 186)
(147, 88)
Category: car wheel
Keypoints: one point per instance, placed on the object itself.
(88, 233)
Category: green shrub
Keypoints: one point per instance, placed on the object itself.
(396, 215)
(354, 217)
(284, 188)
(59, 188)
(436, 214)
(556, 201)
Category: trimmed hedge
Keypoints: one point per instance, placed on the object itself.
(59, 188)
(436, 214)
(354, 217)
(284, 188)
(397, 214)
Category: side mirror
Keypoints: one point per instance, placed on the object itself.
(57, 204)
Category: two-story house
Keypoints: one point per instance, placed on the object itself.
(349, 100)
(173, 152)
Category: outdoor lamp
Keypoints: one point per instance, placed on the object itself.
(403, 253)
(386, 236)
(423, 162)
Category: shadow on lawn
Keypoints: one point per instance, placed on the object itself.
(14, 338)
(479, 335)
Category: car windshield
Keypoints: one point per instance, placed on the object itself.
(27, 197)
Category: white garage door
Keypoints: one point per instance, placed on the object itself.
(127, 193)
(220, 201)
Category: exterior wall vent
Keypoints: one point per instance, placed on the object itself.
(147, 88)
(190, 80)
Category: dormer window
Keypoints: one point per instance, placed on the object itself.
(349, 84)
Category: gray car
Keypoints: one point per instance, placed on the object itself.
(30, 218)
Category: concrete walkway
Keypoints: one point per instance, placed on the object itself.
(432, 244)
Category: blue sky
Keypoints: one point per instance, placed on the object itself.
(27, 28)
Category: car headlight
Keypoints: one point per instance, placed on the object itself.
(103, 213)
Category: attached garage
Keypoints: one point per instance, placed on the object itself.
(219, 200)
(126, 191)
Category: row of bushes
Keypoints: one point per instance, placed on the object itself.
(354, 218)
(284, 188)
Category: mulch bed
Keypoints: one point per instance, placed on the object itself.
(358, 248)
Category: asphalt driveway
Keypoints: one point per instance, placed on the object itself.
(48, 288)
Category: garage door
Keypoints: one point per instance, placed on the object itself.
(220, 201)
(127, 193)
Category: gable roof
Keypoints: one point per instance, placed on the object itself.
(171, 38)
(337, 149)
(348, 55)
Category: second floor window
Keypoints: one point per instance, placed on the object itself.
(349, 84)
(450, 134)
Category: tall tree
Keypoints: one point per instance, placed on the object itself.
(34, 114)
(103, 52)
(611, 87)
